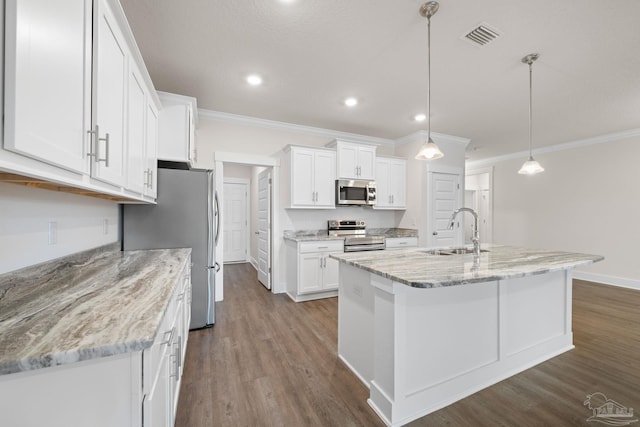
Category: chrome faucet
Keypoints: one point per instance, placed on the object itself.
(476, 236)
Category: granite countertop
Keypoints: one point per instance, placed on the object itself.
(313, 235)
(415, 267)
(88, 305)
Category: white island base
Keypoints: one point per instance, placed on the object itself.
(419, 350)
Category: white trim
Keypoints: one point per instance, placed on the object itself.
(247, 159)
(607, 280)
(230, 180)
(309, 130)
(611, 137)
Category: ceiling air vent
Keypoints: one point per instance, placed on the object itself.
(482, 35)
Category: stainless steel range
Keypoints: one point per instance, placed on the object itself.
(355, 235)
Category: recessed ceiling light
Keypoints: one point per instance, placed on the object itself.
(254, 80)
(420, 117)
(351, 101)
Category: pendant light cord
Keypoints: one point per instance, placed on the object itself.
(530, 109)
(428, 78)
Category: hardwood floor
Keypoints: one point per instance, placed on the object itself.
(271, 362)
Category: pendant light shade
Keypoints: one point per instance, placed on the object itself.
(429, 150)
(531, 166)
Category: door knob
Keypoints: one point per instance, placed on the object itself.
(435, 233)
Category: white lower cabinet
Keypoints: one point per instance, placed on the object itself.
(311, 272)
(126, 390)
(401, 242)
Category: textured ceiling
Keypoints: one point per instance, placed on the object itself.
(314, 53)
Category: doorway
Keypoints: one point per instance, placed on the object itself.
(479, 197)
(235, 219)
(264, 228)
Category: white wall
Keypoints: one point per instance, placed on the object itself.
(587, 200)
(24, 216)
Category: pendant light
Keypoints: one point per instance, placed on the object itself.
(531, 166)
(429, 150)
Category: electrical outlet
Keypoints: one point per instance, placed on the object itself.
(53, 233)
(105, 226)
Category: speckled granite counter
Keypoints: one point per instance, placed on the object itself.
(416, 268)
(88, 305)
(312, 235)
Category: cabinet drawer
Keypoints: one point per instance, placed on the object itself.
(402, 242)
(323, 246)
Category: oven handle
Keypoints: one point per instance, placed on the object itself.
(358, 248)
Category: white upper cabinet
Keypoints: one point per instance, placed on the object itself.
(151, 151)
(391, 183)
(110, 58)
(355, 161)
(178, 119)
(312, 177)
(47, 80)
(77, 95)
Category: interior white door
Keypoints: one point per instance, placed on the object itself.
(235, 222)
(444, 193)
(264, 228)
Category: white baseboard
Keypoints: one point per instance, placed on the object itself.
(607, 280)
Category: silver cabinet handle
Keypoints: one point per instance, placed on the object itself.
(392, 199)
(94, 151)
(435, 233)
(151, 179)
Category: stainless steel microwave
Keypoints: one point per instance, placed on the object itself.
(355, 193)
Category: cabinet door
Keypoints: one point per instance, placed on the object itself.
(156, 410)
(109, 96)
(309, 273)
(331, 272)
(366, 162)
(383, 194)
(151, 151)
(398, 182)
(47, 80)
(324, 179)
(302, 166)
(136, 162)
(347, 161)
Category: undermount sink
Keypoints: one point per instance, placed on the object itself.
(452, 251)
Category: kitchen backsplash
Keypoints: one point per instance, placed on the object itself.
(312, 219)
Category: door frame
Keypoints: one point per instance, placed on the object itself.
(489, 171)
(221, 157)
(247, 183)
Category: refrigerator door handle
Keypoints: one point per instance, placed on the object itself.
(216, 213)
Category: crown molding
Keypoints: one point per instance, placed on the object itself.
(309, 130)
(601, 139)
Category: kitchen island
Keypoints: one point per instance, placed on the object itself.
(423, 330)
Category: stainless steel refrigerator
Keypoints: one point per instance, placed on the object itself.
(186, 216)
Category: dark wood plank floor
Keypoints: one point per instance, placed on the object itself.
(272, 362)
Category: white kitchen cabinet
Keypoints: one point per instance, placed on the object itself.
(401, 242)
(355, 161)
(67, 115)
(142, 137)
(312, 274)
(110, 66)
(391, 183)
(151, 151)
(312, 176)
(163, 361)
(47, 80)
(177, 121)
